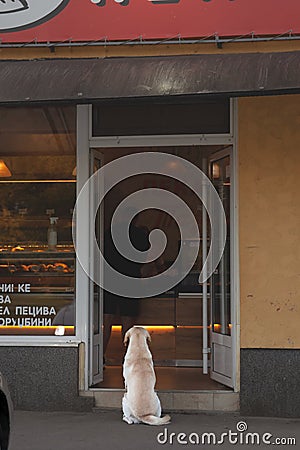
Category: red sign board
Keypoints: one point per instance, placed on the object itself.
(113, 20)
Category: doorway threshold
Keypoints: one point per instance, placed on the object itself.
(167, 379)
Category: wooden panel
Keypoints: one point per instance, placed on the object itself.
(189, 311)
(189, 343)
(181, 342)
(157, 311)
(162, 345)
(115, 350)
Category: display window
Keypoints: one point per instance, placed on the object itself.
(37, 197)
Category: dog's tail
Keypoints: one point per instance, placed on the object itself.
(149, 419)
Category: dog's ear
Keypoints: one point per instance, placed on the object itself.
(126, 338)
(148, 337)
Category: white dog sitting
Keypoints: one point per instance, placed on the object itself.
(140, 402)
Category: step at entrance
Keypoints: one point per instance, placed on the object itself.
(175, 400)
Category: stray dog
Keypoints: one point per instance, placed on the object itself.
(140, 402)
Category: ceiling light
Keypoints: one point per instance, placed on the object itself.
(4, 170)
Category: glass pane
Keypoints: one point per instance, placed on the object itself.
(220, 282)
(151, 119)
(96, 326)
(97, 289)
(37, 196)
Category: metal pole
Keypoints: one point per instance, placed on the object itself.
(205, 349)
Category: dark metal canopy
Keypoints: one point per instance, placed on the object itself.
(141, 77)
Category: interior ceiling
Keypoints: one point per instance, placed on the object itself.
(42, 130)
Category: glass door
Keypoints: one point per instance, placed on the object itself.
(96, 293)
(220, 282)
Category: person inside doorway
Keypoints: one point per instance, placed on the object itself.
(115, 306)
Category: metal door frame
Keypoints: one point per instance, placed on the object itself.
(85, 142)
(222, 339)
(95, 339)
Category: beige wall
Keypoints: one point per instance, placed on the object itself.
(269, 221)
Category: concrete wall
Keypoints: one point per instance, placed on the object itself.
(269, 221)
(270, 382)
(43, 378)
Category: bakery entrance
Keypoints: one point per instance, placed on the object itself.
(190, 323)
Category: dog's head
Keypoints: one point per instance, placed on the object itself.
(137, 332)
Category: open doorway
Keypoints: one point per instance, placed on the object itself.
(175, 318)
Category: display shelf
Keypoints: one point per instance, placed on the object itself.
(35, 285)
